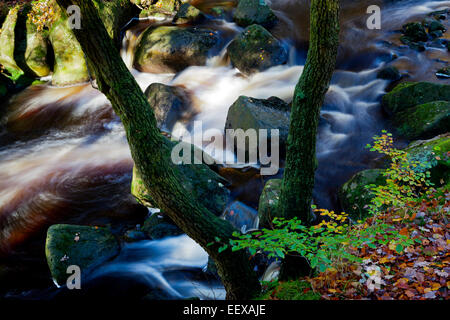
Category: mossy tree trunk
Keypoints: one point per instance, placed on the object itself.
(151, 154)
(298, 181)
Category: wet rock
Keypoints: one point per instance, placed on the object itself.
(200, 181)
(389, 73)
(70, 65)
(415, 32)
(268, 202)
(7, 44)
(241, 216)
(159, 226)
(424, 121)
(434, 152)
(170, 104)
(250, 12)
(354, 196)
(84, 246)
(443, 73)
(115, 14)
(172, 49)
(255, 49)
(436, 26)
(188, 14)
(250, 113)
(134, 235)
(410, 94)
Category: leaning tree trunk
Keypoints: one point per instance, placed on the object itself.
(151, 154)
(298, 181)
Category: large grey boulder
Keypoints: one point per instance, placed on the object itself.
(255, 50)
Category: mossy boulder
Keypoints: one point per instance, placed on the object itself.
(204, 184)
(70, 64)
(415, 32)
(84, 246)
(354, 196)
(188, 14)
(255, 50)
(159, 226)
(36, 50)
(172, 49)
(410, 94)
(435, 152)
(423, 121)
(250, 12)
(250, 113)
(8, 44)
(268, 202)
(170, 104)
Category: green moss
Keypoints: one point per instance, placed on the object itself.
(408, 95)
(354, 196)
(424, 121)
(93, 247)
(289, 290)
(268, 202)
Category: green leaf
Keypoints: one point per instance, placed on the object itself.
(399, 248)
(223, 248)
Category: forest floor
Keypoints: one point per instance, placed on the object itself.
(387, 272)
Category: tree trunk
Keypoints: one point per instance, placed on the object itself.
(151, 154)
(298, 181)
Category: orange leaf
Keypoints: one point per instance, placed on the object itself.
(404, 231)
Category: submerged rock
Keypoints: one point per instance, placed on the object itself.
(410, 94)
(159, 226)
(188, 14)
(70, 64)
(250, 12)
(415, 32)
(354, 196)
(250, 113)
(389, 73)
(170, 104)
(424, 121)
(115, 14)
(255, 49)
(172, 49)
(268, 202)
(84, 246)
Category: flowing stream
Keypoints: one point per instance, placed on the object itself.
(64, 155)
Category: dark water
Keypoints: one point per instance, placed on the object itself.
(64, 156)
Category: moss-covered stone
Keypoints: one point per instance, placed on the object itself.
(255, 49)
(170, 104)
(424, 121)
(172, 49)
(84, 246)
(268, 202)
(415, 31)
(354, 196)
(250, 113)
(36, 50)
(410, 94)
(203, 183)
(70, 64)
(250, 12)
(188, 14)
(436, 152)
(7, 44)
